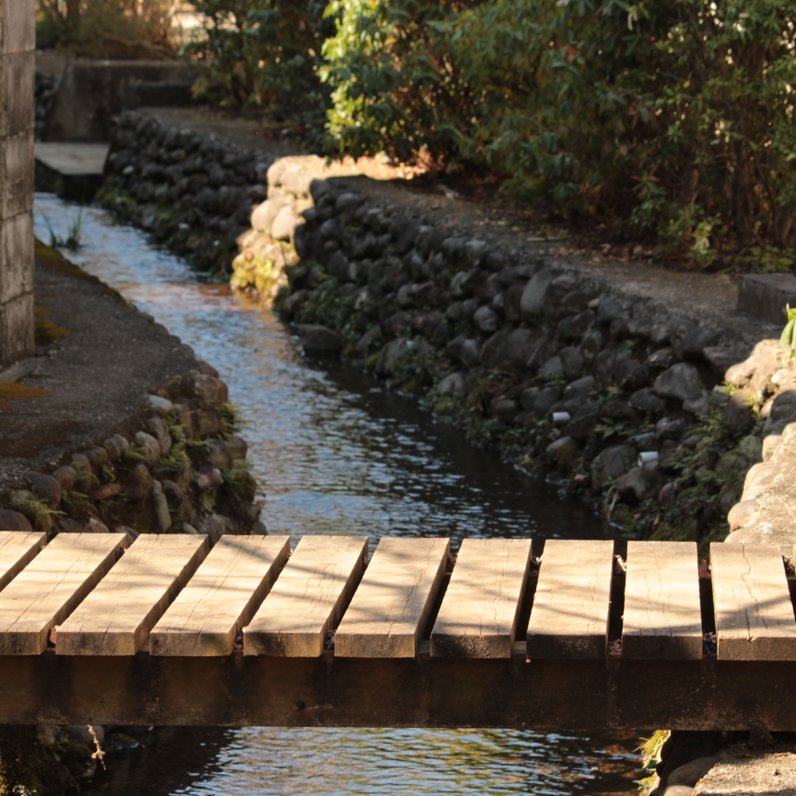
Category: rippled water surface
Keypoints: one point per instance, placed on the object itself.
(334, 453)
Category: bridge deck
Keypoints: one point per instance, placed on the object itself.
(562, 634)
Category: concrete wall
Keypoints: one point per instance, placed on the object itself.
(17, 48)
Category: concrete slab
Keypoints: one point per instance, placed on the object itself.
(73, 160)
(764, 296)
(72, 170)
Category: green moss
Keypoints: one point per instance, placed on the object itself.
(39, 514)
(239, 483)
(173, 464)
(231, 419)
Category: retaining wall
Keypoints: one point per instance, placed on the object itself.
(623, 393)
(639, 390)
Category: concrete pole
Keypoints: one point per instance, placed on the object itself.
(17, 65)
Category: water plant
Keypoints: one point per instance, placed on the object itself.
(73, 236)
(788, 338)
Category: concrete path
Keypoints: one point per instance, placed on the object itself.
(91, 379)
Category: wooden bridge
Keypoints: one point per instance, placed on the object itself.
(581, 635)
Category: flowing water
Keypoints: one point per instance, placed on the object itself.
(334, 453)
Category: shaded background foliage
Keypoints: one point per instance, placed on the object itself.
(668, 123)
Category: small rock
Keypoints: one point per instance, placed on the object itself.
(138, 483)
(670, 428)
(505, 409)
(105, 491)
(771, 445)
(645, 400)
(633, 487)
(552, 369)
(148, 447)
(486, 319)
(159, 405)
(207, 478)
(117, 446)
(14, 521)
(209, 389)
(215, 526)
(535, 293)
(579, 389)
(95, 525)
(319, 340)
(452, 384)
(681, 381)
(97, 457)
(160, 507)
(741, 514)
(758, 479)
(284, 224)
(160, 430)
(66, 476)
(45, 488)
(565, 452)
(612, 463)
(545, 399)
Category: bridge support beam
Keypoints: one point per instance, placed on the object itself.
(17, 66)
(576, 695)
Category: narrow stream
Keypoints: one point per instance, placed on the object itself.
(334, 453)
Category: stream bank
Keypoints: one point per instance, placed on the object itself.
(635, 388)
(113, 425)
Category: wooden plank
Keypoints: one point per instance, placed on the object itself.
(308, 598)
(478, 615)
(754, 612)
(117, 616)
(558, 695)
(17, 550)
(51, 586)
(391, 607)
(662, 610)
(569, 617)
(221, 597)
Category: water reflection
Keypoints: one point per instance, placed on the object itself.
(333, 453)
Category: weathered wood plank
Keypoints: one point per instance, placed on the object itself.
(116, 617)
(754, 612)
(308, 598)
(560, 695)
(48, 589)
(391, 607)
(478, 615)
(662, 616)
(221, 597)
(569, 617)
(17, 550)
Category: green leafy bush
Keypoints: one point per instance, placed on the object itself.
(672, 122)
(110, 29)
(264, 53)
(395, 87)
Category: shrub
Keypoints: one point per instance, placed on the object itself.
(114, 29)
(264, 53)
(395, 87)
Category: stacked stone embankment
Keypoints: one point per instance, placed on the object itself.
(638, 389)
(653, 409)
(174, 466)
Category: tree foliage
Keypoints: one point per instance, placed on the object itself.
(670, 122)
(264, 53)
(107, 28)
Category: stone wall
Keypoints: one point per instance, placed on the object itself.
(670, 414)
(177, 466)
(627, 399)
(17, 44)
